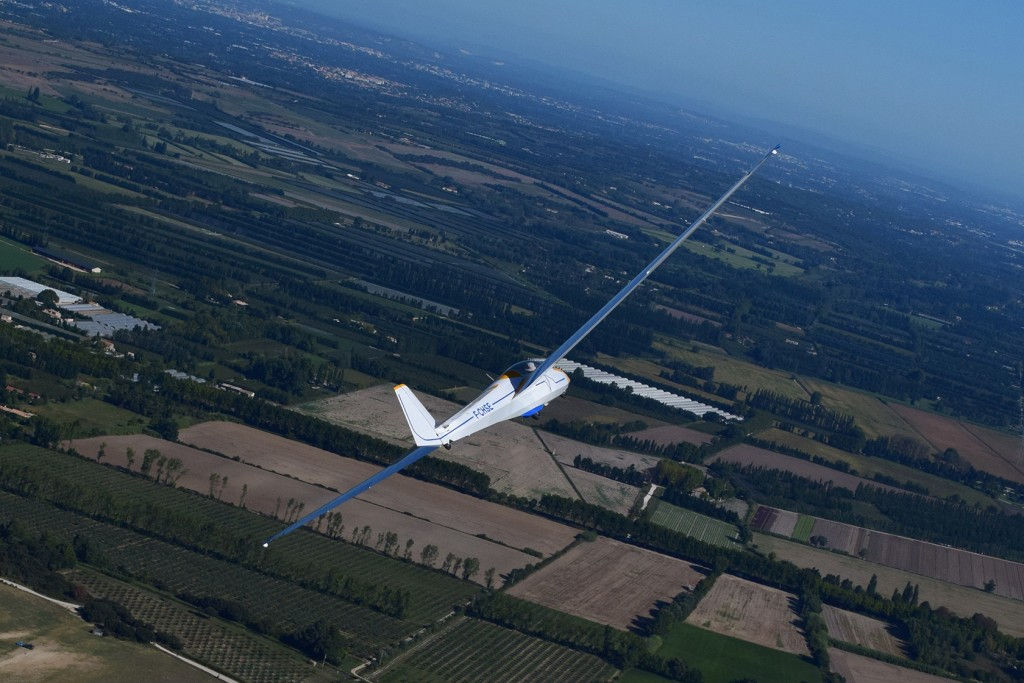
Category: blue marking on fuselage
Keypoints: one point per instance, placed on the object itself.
(533, 411)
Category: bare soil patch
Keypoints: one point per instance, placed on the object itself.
(569, 408)
(425, 513)
(608, 582)
(752, 612)
(984, 449)
(861, 669)
(862, 630)
(509, 452)
(669, 435)
(745, 454)
(565, 451)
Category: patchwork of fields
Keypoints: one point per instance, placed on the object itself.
(608, 582)
(920, 557)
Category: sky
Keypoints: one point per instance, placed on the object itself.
(936, 84)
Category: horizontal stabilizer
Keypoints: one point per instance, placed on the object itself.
(421, 423)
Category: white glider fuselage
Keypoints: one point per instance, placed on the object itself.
(504, 399)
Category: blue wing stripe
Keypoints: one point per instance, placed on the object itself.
(588, 326)
(354, 491)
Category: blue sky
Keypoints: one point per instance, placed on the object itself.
(936, 83)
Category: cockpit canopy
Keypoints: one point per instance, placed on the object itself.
(523, 368)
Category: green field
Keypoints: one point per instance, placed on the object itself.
(475, 650)
(14, 257)
(64, 643)
(696, 525)
(722, 659)
(92, 417)
(802, 531)
(738, 257)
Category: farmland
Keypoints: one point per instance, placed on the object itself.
(861, 630)
(861, 669)
(745, 454)
(752, 612)
(474, 650)
(217, 644)
(694, 524)
(1008, 613)
(868, 466)
(722, 659)
(602, 491)
(582, 581)
(63, 643)
(565, 451)
(667, 435)
(920, 557)
(509, 453)
(873, 415)
(304, 556)
(984, 449)
(418, 511)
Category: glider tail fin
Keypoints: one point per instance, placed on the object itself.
(421, 422)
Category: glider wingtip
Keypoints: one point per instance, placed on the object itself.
(266, 544)
(398, 386)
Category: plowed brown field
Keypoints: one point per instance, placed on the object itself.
(608, 582)
(745, 454)
(861, 630)
(860, 669)
(752, 612)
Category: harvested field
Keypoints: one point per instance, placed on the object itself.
(608, 582)
(669, 435)
(425, 513)
(862, 630)
(752, 612)
(745, 454)
(920, 557)
(694, 524)
(509, 452)
(602, 491)
(565, 450)
(1008, 613)
(984, 449)
(861, 669)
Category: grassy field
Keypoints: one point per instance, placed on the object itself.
(64, 643)
(14, 256)
(739, 257)
(802, 532)
(723, 659)
(873, 416)
(94, 417)
(1008, 613)
(701, 527)
(732, 370)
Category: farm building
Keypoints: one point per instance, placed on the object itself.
(19, 286)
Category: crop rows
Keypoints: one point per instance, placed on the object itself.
(301, 556)
(182, 571)
(480, 651)
(695, 525)
(230, 650)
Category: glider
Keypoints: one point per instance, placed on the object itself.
(522, 390)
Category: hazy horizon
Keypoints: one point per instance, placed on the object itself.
(934, 85)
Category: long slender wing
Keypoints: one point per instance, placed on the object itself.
(353, 492)
(588, 326)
